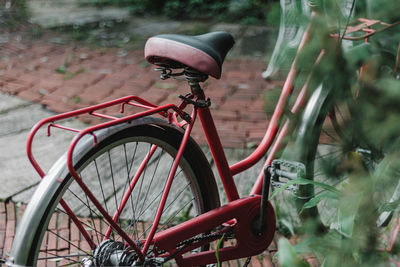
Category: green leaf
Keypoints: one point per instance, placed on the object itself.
(287, 255)
(348, 209)
(390, 206)
(302, 181)
(306, 246)
(61, 69)
(315, 200)
(220, 241)
(164, 85)
(288, 225)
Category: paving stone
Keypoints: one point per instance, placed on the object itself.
(17, 172)
(8, 103)
(10, 211)
(154, 95)
(2, 207)
(2, 241)
(30, 95)
(3, 221)
(21, 119)
(13, 88)
(25, 194)
(7, 245)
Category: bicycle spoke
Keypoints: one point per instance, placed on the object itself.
(55, 256)
(128, 180)
(177, 197)
(91, 217)
(101, 185)
(135, 220)
(174, 215)
(151, 181)
(85, 224)
(131, 197)
(329, 135)
(97, 215)
(113, 182)
(143, 177)
(158, 195)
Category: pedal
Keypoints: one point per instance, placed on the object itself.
(282, 171)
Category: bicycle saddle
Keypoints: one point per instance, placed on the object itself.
(205, 52)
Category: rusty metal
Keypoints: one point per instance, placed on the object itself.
(365, 28)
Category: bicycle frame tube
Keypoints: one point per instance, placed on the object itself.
(257, 187)
(170, 179)
(272, 129)
(217, 151)
(132, 185)
(227, 172)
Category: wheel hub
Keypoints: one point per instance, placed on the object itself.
(114, 253)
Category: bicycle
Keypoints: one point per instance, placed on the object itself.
(169, 158)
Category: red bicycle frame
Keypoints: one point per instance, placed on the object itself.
(238, 215)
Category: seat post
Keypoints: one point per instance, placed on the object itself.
(194, 78)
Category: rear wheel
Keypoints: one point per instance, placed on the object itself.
(108, 170)
(343, 148)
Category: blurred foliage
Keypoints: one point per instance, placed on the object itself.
(13, 14)
(367, 173)
(238, 11)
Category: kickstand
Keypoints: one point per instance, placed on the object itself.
(261, 225)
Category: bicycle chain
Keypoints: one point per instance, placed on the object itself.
(200, 238)
(192, 240)
(183, 244)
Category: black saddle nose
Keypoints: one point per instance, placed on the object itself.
(205, 52)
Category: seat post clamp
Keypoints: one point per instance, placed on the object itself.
(198, 103)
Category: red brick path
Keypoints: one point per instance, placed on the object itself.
(64, 78)
(10, 214)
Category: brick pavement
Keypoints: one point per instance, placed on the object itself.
(66, 77)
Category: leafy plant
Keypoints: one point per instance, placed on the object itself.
(242, 11)
(360, 180)
(219, 244)
(13, 13)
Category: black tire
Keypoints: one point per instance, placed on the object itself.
(194, 187)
